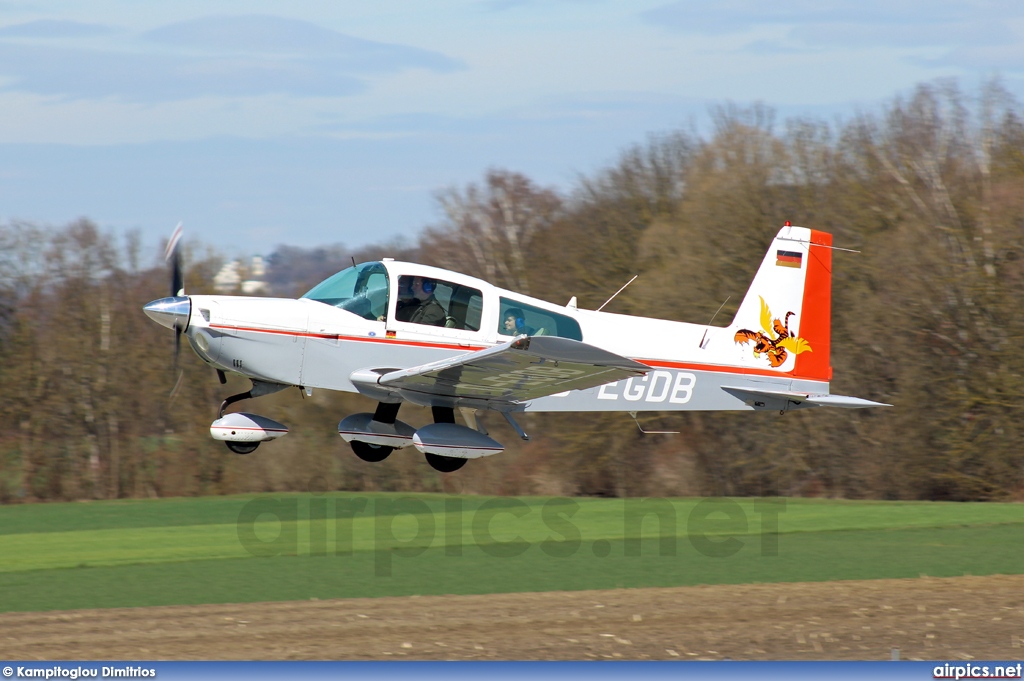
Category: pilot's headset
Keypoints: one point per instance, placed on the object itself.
(518, 316)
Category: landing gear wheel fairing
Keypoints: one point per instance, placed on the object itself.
(370, 453)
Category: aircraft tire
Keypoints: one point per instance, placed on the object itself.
(445, 464)
(371, 453)
(242, 447)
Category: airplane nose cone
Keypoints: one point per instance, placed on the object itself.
(170, 312)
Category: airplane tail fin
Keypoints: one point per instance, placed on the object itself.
(786, 316)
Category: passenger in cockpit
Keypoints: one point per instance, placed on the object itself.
(515, 323)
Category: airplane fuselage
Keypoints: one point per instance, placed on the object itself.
(311, 344)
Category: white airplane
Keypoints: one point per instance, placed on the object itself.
(402, 332)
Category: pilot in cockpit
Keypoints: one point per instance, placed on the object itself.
(416, 302)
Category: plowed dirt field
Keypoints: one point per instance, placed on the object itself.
(927, 618)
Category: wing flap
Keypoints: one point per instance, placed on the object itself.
(522, 369)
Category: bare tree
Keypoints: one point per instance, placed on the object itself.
(488, 230)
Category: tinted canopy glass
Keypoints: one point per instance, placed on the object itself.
(522, 318)
(362, 290)
(423, 300)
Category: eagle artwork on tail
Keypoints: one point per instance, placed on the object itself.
(775, 341)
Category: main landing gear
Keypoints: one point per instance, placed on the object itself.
(444, 464)
(370, 452)
(374, 436)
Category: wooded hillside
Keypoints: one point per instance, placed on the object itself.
(927, 317)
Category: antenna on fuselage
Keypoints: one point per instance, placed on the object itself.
(701, 344)
(618, 292)
(651, 432)
(831, 248)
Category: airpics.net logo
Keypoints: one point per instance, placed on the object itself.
(408, 526)
(977, 671)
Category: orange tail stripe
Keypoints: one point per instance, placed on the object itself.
(816, 324)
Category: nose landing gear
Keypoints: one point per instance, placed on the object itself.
(242, 432)
(242, 447)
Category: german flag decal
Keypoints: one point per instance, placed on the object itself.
(788, 258)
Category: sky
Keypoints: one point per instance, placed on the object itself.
(307, 123)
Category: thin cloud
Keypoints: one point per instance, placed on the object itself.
(908, 16)
(503, 5)
(973, 35)
(924, 34)
(52, 28)
(775, 47)
(213, 56)
(268, 35)
(991, 58)
(86, 74)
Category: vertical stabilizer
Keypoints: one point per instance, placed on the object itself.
(785, 318)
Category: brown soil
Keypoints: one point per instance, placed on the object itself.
(927, 618)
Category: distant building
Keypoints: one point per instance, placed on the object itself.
(238, 276)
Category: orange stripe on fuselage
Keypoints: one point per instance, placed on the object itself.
(362, 339)
(653, 363)
(718, 368)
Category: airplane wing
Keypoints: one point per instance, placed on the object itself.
(522, 369)
(764, 398)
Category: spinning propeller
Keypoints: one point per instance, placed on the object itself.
(173, 256)
(175, 310)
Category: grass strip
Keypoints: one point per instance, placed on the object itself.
(597, 564)
(305, 525)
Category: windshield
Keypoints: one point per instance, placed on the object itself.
(362, 290)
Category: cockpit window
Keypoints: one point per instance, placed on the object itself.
(362, 290)
(521, 318)
(436, 302)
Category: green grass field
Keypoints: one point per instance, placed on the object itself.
(286, 547)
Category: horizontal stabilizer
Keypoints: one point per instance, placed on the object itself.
(772, 399)
(523, 369)
(844, 401)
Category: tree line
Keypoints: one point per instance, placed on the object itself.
(929, 189)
